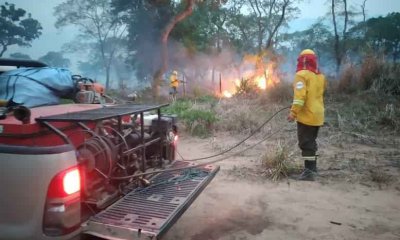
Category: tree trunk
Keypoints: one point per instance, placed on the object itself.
(346, 20)
(364, 16)
(282, 17)
(363, 10)
(108, 78)
(157, 77)
(336, 44)
(3, 50)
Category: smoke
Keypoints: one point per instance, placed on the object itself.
(204, 71)
(218, 71)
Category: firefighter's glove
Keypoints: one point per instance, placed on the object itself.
(291, 118)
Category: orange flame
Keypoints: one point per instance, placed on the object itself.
(261, 82)
(264, 77)
(227, 94)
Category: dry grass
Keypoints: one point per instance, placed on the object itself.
(239, 115)
(277, 164)
(373, 73)
(389, 81)
(371, 69)
(364, 113)
(197, 91)
(380, 176)
(282, 93)
(348, 80)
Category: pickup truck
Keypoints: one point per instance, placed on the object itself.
(88, 167)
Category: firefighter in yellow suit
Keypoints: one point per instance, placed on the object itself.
(174, 83)
(308, 109)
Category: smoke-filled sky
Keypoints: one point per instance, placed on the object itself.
(52, 39)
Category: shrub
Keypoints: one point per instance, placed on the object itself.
(198, 91)
(371, 69)
(246, 87)
(237, 117)
(348, 80)
(379, 176)
(281, 93)
(199, 122)
(365, 112)
(389, 81)
(389, 118)
(178, 107)
(277, 163)
(208, 99)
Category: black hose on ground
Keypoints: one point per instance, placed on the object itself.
(240, 142)
(215, 155)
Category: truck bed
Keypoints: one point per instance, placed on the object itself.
(147, 213)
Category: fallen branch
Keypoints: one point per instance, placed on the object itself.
(361, 136)
(336, 223)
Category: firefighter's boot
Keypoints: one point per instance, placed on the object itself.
(310, 169)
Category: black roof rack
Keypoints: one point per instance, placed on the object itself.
(101, 113)
(21, 63)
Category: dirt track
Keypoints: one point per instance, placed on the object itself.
(238, 205)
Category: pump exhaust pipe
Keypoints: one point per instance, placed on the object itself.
(22, 114)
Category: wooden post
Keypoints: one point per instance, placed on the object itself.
(220, 83)
(184, 86)
(213, 79)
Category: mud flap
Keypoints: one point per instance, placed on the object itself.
(149, 212)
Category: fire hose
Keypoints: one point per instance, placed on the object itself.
(215, 155)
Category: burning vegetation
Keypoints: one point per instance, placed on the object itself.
(253, 75)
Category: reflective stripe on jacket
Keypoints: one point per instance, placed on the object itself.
(308, 100)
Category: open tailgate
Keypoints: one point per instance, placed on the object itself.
(149, 212)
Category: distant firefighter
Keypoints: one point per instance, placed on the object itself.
(308, 109)
(174, 83)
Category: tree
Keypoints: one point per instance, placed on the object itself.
(145, 20)
(97, 24)
(19, 55)
(152, 23)
(180, 16)
(55, 59)
(263, 21)
(157, 80)
(16, 28)
(240, 27)
(341, 20)
(318, 37)
(382, 34)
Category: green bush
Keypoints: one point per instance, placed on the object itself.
(207, 99)
(178, 107)
(199, 122)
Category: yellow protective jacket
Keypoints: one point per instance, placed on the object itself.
(308, 100)
(174, 82)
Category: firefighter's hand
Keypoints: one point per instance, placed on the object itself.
(291, 118)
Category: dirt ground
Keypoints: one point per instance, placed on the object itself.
(356, 196)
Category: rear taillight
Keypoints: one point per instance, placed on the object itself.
(72, 181)
(62, 213)
(65, 183)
